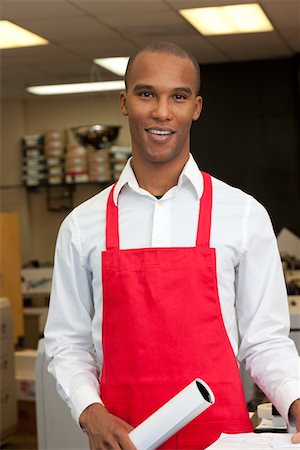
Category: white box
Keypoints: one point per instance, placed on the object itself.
(36, 280)
(25, 361)
(25, 364)
(25, 389)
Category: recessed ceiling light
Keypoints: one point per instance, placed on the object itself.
(77, 88)
(13, 36)
(231, 19)
(116, 65)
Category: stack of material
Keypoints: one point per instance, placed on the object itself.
(54, 148)
(99, 166)
(118, 157)
(34, 165)
(76, 170)
(8, 410)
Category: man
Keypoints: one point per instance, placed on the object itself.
(162, 274)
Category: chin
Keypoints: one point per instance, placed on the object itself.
(161, 157)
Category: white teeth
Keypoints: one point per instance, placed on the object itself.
(161, 132)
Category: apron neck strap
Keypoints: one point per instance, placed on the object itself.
(204, 222)
(112, 223)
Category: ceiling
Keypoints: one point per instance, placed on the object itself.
(81, 30)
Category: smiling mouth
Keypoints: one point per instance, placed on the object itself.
(159, 132)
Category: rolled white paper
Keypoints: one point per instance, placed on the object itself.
(173, 415)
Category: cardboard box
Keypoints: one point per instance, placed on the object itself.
(26, 417)
(10, 266)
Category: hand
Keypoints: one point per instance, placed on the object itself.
(295, 412)
(105, 431)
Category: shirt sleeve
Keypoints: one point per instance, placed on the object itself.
(68, 332)
(262, 313)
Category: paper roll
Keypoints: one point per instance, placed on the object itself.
(173, 415)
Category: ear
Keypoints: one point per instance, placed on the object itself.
(123, 103)
(198, 107)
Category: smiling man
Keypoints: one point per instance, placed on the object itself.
(161, 109)
(166, 276)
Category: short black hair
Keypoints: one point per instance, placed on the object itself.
(168, 48)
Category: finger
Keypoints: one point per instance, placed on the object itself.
(105, 446)
(97, 443)
(296, 438)
(126, 443)
(125, 425)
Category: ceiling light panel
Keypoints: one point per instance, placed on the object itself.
(13, 36)
(231, 19)
(116, 65)
(77, 88)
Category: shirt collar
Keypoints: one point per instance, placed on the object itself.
(190, 173)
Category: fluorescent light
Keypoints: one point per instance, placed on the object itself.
(77, 88)
(116, 65)
(231, 19)
(12, 36)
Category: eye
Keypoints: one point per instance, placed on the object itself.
(145, 94)
(179, 97)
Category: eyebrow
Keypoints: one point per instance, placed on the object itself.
(185, 89)
(139, 86)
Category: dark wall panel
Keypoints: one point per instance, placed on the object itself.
(249, 133)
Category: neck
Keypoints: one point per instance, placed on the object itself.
(157, 178)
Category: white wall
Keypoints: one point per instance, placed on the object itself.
(20, 117)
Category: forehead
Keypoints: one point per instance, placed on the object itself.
(156, 69)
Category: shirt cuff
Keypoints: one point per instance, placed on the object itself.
(83, 397)
(286, 394)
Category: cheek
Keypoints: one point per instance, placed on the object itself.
(185, 116)
(185, 121)
(136, 117)
(136, 126)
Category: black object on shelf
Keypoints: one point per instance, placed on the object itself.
(96, 136)
(60, 197)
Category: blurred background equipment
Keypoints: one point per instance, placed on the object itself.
(8, 405)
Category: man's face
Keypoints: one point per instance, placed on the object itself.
(161, 102)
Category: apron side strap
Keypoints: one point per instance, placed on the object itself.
(204, 223)
(112, 223)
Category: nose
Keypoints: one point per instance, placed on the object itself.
(162, 110)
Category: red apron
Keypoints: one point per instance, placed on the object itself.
(163, 327)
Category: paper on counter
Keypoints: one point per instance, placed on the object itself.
(288, 243)
(173, 415)
(283, 441)
(253, 441)
(268, 425)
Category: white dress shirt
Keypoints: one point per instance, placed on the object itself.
(250, 281)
